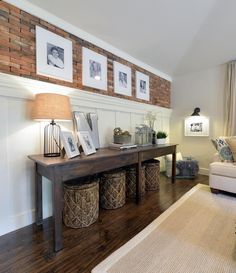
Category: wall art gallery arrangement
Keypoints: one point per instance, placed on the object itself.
(33, 48)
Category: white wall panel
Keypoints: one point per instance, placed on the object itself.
(20, 136)
(123, 120)
(106, 124)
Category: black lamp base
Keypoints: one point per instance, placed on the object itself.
(52, 142)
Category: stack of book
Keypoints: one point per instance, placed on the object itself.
(117, 146)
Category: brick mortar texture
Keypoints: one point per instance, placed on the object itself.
(18, 56)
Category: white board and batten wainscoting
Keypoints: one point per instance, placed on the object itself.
(21, 136)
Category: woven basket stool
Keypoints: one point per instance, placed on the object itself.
(112, 189)
(81, 203)
(152, 174)
(131, 182)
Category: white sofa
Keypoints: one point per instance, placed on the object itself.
(222, 176)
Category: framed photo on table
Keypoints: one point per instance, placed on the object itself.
(122, 79)
(142, 86)
(94, 69)
(86, 142)
(53, 55)
(69, 144)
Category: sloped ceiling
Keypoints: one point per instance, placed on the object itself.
(173, 36)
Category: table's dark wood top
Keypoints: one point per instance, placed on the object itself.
(100, 153)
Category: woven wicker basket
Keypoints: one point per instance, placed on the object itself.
(131, 182)
(152, 174)
(81, 203)
(112, 189)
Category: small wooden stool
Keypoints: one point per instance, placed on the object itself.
(152, 175)
(131, 182)
(81, 202)
(112, 189)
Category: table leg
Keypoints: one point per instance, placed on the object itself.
(173, 166)
(57, 192)
(38, 197)
(138, 181)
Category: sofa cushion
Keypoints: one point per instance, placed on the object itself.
(232, 144)
(223, 169)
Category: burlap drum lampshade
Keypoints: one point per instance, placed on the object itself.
(49, 106)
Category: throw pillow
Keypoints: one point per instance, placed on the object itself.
(214, 143)
(232, 144)
(224, 150)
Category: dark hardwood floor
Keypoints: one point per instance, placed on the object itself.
(30, 249)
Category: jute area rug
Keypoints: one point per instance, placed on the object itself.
(195, 235)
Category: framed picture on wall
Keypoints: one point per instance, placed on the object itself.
(69, 144)
(122, 79)
(53, 55)
(86, 142)
(142, 86)
(196, 126)
(94, 69)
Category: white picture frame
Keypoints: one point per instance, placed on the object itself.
(94, 69)
(196, 126)
(54, 57)
(86, 142)
(69, 144)
(122, 79)
(142, 86)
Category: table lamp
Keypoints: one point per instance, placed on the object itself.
(48, 106)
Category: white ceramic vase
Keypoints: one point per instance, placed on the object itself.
(161, 141)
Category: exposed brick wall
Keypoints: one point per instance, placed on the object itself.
(18, 56)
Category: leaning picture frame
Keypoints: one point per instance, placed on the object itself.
(86, 142)
(94, 69)
(122, 79)
(69, 144)
(142, 86)
(53, 55)
(196, 126)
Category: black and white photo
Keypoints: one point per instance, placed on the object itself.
(94, 69)
(142, 86)
(122, 79)
(86, 142)
(69, 144)
(196, 126)
(53, 55)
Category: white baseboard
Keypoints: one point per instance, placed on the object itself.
(204, 171)
(17, 221)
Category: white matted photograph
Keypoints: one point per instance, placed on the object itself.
(122, 79)
(86, 142)
(142, 86)
(196, 126)
(94, 69)
(53, 55)
(69, 144)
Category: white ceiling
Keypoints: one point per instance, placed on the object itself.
(173, 36)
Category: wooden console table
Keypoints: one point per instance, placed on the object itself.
(59, 170)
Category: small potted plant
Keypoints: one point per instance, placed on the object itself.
(161, 137)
